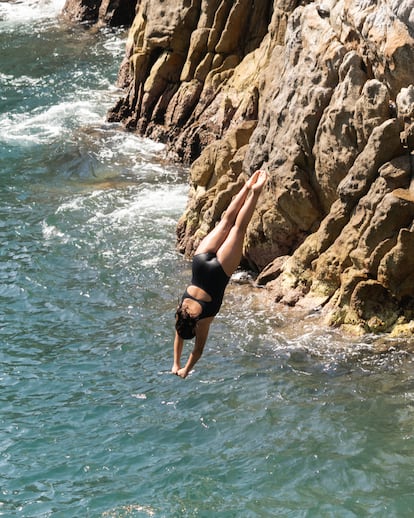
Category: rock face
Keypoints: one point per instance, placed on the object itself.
(320, 94)
(104, 12)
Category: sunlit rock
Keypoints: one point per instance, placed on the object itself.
(104, 12)
(319, 93)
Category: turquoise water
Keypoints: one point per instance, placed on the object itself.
(280, 418)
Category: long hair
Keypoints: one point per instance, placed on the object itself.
(185, 325)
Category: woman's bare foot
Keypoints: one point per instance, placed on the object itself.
(260, 181)
(252, 180)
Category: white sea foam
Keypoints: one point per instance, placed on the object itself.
(129, 143)
(157, 202)
(20, 81)
(51, 232)
(115, 45)
(40, 126)
(71, 206)
(23, 11)
(139, 396)
(162, 199)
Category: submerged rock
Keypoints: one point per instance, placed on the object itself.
(319, 93)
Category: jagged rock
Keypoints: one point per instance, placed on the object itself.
(105, 12)
(322, 95)
(272, 270)
(117, 12)
(183, 54)
(211, 189)
(396, 269)
(373, 305)
(405, 113)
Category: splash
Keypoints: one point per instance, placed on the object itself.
(42, 126)
(129, 510)
(24, 11)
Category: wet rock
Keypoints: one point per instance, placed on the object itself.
(105, 12)
(271, 271)
(183, 55)
(373, 306)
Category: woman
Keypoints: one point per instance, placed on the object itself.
(216, 258)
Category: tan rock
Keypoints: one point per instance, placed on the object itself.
(405, 110)
(336, 141)
(396, 269)
(322, 95)
(102, 12)
(374, 305)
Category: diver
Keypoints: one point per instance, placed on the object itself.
(216, 258)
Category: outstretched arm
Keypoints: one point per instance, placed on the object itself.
(178, 349)
(200, 341)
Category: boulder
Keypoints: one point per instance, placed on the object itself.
(103, 12)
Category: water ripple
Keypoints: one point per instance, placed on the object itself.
(280, 418)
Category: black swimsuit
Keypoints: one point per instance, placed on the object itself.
(208, 274)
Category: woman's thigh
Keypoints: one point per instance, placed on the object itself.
(214, 239)
(230, 252)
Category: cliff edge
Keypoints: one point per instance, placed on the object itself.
(321, 94)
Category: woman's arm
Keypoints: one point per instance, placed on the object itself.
(178, 349)
(203, 327)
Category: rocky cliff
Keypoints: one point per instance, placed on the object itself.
(319, 93)
(100, 12)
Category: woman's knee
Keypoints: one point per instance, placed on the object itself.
(240, 229)
(224, 227)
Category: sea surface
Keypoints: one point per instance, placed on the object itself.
(280, 418)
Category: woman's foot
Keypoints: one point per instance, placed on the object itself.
(252, 180)
(260, 181)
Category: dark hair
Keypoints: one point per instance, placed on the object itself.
(185, 325)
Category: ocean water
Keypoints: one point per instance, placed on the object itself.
(279, 418)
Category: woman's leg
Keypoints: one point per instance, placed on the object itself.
(230, 252)
(214, 239)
